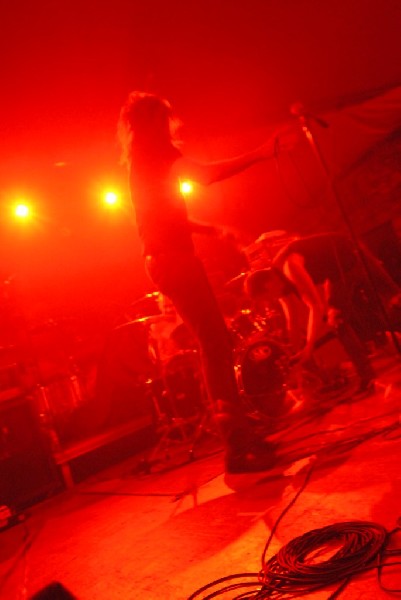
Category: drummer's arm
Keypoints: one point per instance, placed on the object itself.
(292, 311)
(295, 271)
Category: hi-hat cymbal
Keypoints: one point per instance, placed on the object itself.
(236, 282)
(146, 298)
(149, 320)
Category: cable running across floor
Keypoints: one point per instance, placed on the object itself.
(354, 547)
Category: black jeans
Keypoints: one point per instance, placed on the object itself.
(343, 296)
(183, 279)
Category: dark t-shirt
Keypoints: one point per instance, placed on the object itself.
(160, 209)
(326, 256)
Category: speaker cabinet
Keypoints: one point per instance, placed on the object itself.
(27, 470)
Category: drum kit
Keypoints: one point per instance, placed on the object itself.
(150, 362)
(160, 353)
(151, 359)
(164, 356)
(261, 359)
(151, 354)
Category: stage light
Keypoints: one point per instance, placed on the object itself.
(186, 187)
(110, 198)
(22, 211)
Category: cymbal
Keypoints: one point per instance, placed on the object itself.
(266, 246)
(150, 320)
(146, 298)
(236, 282)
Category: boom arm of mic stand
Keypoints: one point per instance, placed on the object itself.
(303, 120)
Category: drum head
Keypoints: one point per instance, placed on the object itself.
(183, 383)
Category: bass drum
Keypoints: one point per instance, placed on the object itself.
(262, 369)
(183, 383)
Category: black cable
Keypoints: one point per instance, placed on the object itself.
(285, 511)
(359, 546)
(340, 446)
(387, 553)
(289, 574)
(27, 541)
(292, 571)
(256, 581)
(342, 428)
(174, 495)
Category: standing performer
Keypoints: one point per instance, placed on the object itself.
(156, 165)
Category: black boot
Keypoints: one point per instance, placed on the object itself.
(245, 451)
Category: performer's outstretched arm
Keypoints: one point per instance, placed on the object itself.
(207, 173)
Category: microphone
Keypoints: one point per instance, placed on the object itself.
(297, 109)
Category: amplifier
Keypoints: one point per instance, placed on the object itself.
(27, 469)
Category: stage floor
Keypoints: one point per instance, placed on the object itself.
(160, 536)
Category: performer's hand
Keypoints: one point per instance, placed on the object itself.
(285, 140)
(282, 140)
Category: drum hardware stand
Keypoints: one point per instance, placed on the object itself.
(205, 426)
(167, 427)
(175, 431)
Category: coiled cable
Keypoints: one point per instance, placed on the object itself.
(295, 570)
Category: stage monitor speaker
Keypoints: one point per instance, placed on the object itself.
(27, 470)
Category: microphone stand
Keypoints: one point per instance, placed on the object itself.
(303, 117)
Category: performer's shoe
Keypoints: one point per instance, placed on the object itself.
(259, 456)
(246, 449)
